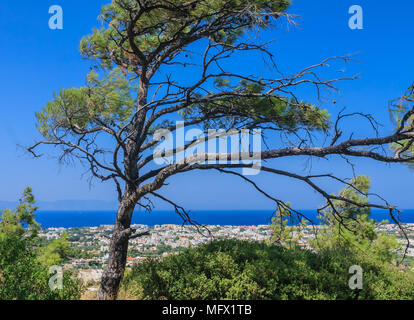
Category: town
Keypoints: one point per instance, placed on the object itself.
(91, 244)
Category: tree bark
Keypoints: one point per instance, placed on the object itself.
(118, 249)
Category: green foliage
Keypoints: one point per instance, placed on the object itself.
(282, 233)
(286, 113)
(355, 238)
(350, 235)
(350, 231)
(56, 252)
(107, 101)
(233, 269)
(12, 223)
(356, 192)
(22, 276)
(140, 38)
(164, 25)
(402, 111)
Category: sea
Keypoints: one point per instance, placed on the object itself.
(72, 219)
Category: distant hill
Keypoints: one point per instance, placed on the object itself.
(7, 204)
(69, 205)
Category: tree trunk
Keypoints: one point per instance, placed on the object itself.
(118, 249)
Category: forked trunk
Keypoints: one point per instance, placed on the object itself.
(118, 249)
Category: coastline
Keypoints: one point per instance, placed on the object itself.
(68, 219)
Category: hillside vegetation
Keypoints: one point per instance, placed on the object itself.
(233, 269)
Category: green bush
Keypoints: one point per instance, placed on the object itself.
(233, 269)
(23, 272)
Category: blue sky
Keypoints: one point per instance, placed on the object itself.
(37, 61)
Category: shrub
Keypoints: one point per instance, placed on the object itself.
(233, 269)
(23, 276)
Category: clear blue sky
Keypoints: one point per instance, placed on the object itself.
(37, 61)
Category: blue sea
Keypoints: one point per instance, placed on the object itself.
(71, 219)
